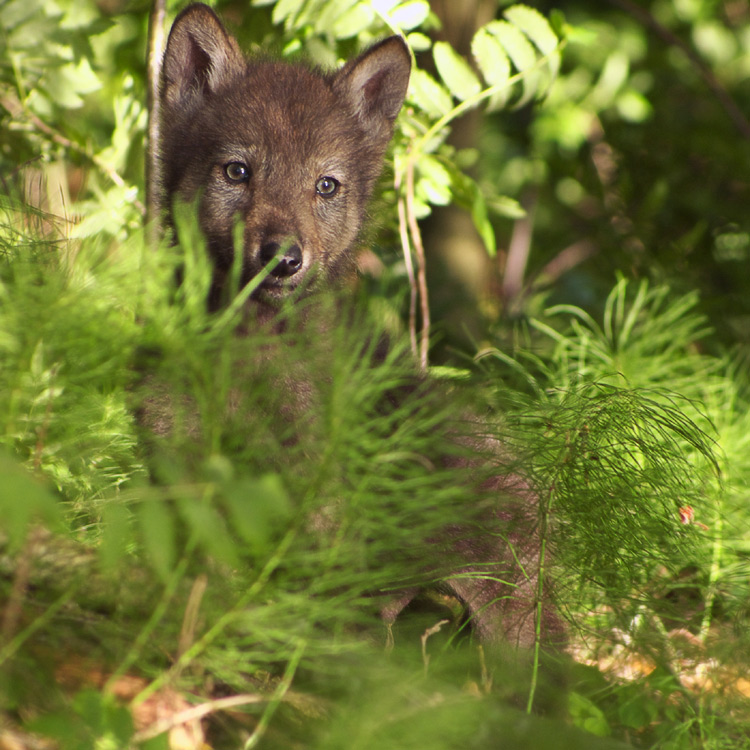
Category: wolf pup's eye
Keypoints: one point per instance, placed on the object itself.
(236, 171)
(327, 186)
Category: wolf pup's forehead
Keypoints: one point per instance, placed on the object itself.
(202, 59)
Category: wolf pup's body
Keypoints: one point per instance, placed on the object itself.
(293, 154)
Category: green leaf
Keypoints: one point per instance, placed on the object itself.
(256, 509)
(638, 712)
(157, 535)
(429, 95)
(455, 72)
(23, 499)
(480, 217)
(434, 181)
(209, 528)
(521, 52)
(17, 12)
(587, 715)
(633, 106)
(494, 65)
(505, 206)
(161, 741)
(384, 6)
(353, 21)
(421, 208)
(285, 9)
(65, 727)
(409, 15)
(418, 42)
(115, 535)
(613, 77)
(332, 11)
(65, 84)
(538, 29)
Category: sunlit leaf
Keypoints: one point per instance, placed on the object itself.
(538, 29)
(521, 53)
(285, 9)
(411, 14)
(460, 79)
(67, 84)
(505, 206)
(611, 80)
(332, 11)
(494, 65)
(428, 94)
(418, 42)
(384, 6)
(353, 21)
(633, 106)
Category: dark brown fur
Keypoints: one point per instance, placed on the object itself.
(263, 142)
(294, 130)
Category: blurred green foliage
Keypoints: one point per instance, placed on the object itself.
(615, 133)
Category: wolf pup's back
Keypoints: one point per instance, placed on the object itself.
(291, 152)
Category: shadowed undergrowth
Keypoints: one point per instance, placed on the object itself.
(194, 513)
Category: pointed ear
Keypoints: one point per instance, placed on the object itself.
(201, 56)
(375, 83)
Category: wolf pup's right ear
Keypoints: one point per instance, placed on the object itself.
(201, 57)
(376, 83)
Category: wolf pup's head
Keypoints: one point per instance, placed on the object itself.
(290, 152)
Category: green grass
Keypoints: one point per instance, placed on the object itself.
(219, 515)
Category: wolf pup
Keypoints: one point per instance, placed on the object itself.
(292, 153)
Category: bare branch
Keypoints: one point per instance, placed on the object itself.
(155, 55)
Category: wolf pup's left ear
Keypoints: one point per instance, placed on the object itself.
(201, 57)
(376, 83)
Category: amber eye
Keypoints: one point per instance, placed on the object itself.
(236, 171)
(327, 186)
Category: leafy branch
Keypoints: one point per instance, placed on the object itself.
(525, 41)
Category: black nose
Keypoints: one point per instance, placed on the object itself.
(290, 258)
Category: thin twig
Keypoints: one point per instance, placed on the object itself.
(190, 618)
(195, 714)
(519, 250)
(223, 621)
(403, 231)
(411, 220)
(153, 137)
(278, 696)
(148, 629)
(544, 511)
(416, 238)
(21, 577)
(436, 628)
